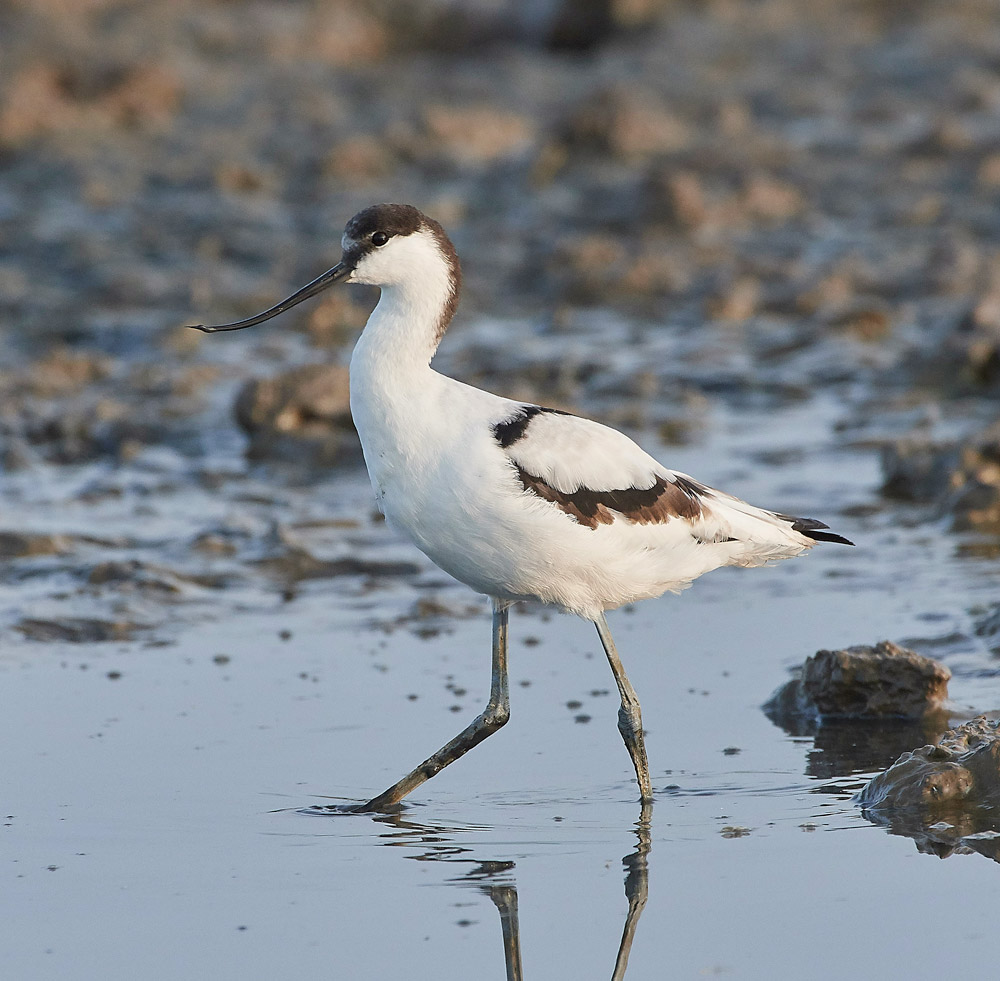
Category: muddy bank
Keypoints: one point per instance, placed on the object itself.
(959, 479)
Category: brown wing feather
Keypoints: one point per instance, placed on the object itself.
(662, 502)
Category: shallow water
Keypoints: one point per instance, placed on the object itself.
(153, 787)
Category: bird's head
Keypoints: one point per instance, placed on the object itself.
(388, 245)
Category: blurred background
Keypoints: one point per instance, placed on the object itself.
(661, 206)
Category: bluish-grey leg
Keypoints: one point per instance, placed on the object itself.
(495, 715)
(629, 715)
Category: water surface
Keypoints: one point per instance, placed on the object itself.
(153, 787)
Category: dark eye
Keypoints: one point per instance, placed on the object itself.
(379, 239)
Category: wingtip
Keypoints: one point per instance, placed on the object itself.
(816, 530)
(828, 536)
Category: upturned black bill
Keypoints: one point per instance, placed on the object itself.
(339, 272)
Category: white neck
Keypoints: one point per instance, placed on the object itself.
(393, 388)
(405, 328)
(402, 330)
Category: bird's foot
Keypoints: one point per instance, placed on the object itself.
(335, 810)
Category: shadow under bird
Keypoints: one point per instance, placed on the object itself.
(518, 501)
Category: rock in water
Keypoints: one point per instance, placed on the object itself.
(881, 682)
(946, 796)
(964, 767)
(303, 414)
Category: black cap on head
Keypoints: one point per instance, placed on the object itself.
(393, 219)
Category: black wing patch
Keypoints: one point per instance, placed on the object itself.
(508, 432)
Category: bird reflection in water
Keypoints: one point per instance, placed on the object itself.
(496, 879)
(505, 899)
(636, 887)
